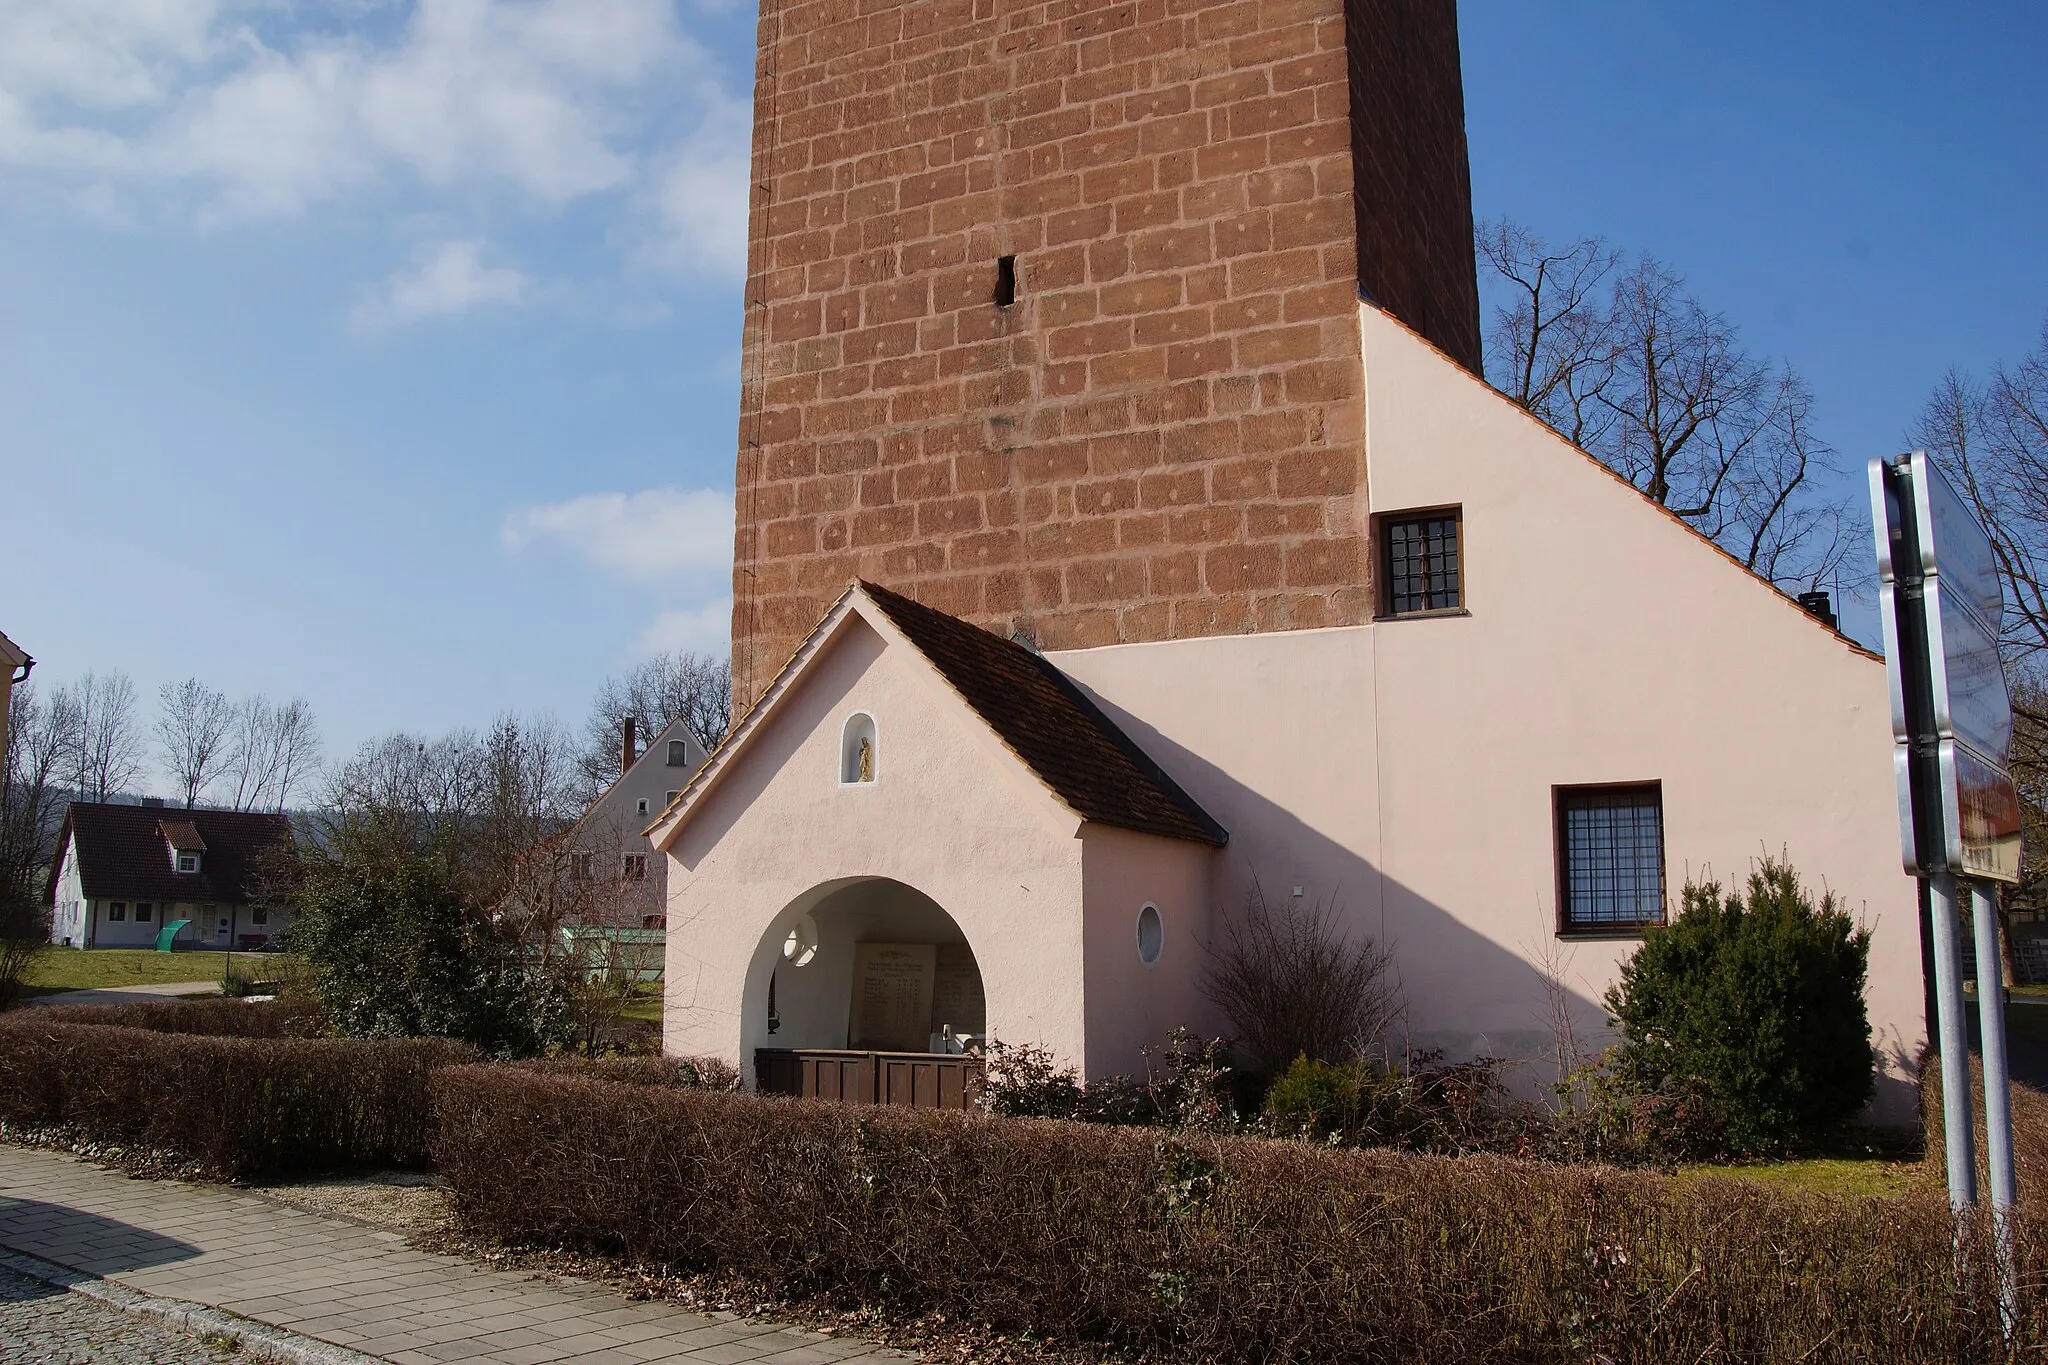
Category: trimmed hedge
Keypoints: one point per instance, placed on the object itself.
(217, 1018)
(263, 1103)
(1233, 1250)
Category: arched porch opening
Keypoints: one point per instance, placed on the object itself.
(866, 989)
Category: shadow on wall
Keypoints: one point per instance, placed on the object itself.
(1463, 993)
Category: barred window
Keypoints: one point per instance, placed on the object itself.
(1610, 854)
(1419, 563)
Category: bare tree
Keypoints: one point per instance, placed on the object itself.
(192, 726)
(32, 773)
(1549, 348)
(1635, 370)
(697, 687)
(273, 750)
(104, 745)
(1293, 984)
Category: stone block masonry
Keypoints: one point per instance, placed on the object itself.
(1162, 435)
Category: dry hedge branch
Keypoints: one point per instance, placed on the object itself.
(1228, 1250)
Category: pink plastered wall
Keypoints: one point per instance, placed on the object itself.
(946, 815)
(1404, 771)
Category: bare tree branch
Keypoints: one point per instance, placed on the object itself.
(192, 726)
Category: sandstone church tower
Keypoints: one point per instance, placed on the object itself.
(1051, 307)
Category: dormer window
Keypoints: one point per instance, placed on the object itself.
(187, 848)
(678, 754)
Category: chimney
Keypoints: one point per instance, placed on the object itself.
(1820, 607)
(629, 744)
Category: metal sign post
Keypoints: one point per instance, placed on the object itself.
(1940, 601)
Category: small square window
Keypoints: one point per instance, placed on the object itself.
(669, 799)
(259, 916)
(188, 862)
(678, 754)
(1610, 857)
(1419, 563)
(117, 910)
(579, 867)
(643, 805)
(142, 912)
(636, 867)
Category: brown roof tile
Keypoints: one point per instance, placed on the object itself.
(1059, 732)
(124, 852)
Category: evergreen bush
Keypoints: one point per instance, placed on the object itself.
(1754, 1001)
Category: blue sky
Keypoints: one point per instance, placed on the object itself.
(387, 353)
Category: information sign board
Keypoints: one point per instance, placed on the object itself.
(1940, 600)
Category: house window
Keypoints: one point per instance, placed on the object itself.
(1610, 857)
(636, 867)
(643, 805)
(857, 755)
(117, 910)
(579, 867)
(188, 862)
(1419, 563)
(259, 916)
(142, 912)
(669, 799)
(1151, 935)
(678, 754)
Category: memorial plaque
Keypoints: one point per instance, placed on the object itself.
(892, 996)
(956, 992)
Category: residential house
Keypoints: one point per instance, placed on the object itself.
(125, 873)
(1191, 558)
(627, 884)
(14, 667)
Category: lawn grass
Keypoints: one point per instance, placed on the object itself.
(78, 969)
(1822, 1175)
(645, 1004)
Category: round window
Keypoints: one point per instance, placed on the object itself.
(802, 944)
(1151, 935)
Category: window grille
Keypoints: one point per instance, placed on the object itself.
(1420, 561)
(1610, 843)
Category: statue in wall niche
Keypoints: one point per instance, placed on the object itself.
(866, 771)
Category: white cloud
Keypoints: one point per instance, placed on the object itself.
(704, 630)
(698, 197)
(553, 100)
(657, 536)
(444, 279)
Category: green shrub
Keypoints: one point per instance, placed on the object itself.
(1756, 1000)
(393, 949)
(1186, 1246)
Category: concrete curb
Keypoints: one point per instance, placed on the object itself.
(257, 1340)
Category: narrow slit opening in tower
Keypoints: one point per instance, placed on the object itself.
(1006, 281)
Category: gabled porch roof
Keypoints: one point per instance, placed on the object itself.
(1053, 728)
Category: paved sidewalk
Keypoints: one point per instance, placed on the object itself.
(355, 1286)
(129, 995)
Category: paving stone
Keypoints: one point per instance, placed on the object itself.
(342, 1282)
(42, 1325)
